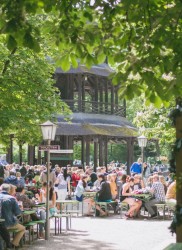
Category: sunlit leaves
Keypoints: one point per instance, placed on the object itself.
(152, 120)
(27, 94)
(138, 38)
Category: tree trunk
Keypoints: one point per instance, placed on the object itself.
(179, 175)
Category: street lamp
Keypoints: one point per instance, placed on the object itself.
(142, 142)
(48, 132)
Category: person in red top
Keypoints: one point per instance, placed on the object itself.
(75, 177)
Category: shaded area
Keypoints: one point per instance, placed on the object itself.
(73, 240)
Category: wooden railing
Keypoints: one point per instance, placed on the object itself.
(96, 107)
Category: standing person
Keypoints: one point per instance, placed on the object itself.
(145, 172)
(63, 184)
(6, 171)
(136, 167)
(52, 176)
(75, 177)
(57, 170)
(9, 210)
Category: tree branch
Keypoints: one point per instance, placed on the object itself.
(6, 64)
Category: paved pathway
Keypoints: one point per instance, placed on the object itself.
(110, 233)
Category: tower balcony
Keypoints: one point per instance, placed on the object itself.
(93, 107)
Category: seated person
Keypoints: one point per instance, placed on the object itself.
(138, 182)
(4, 233)
(149, 181)
(92, 179)
(9, 211)
(52, 197)
(112, 182)
(159, 196)
(11, 179)
(52, 204)
(21, 181)
(163, 181)
(27, 203)
(12, 190)
(126, 196)
(123, 180)
(22, 196)
(171, 194)
(97, 183)
(80, 189)
(104, 194)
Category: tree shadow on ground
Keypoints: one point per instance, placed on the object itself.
(73, 240)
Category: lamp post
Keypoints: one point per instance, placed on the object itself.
(48, 132)
(142, 142)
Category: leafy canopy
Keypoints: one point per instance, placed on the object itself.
(27, 94)
(142, 39)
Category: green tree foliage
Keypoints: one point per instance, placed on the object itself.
(27, 94)
(143, 38)
(153, 122)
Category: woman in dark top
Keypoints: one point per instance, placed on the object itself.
(104, 194)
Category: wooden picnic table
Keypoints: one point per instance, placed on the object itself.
(65, 203)
(143, 197)
(89, 194)
(28, 212)
(37, 205)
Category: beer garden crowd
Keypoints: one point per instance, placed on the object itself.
(21, 187)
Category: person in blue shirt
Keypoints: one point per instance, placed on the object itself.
(136, 167)
(9, 210)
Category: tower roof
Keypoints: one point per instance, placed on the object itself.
(101, 70)
(97, 124)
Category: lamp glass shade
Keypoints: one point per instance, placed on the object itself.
(142, 141)
(48, 130)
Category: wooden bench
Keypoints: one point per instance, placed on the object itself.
(104, 205)
(58, 222)
(161, 207)
(13, 232)
(123, 207)
(30, 226)
(170, 209)
(71, 212)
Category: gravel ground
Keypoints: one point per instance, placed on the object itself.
(111, 233)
